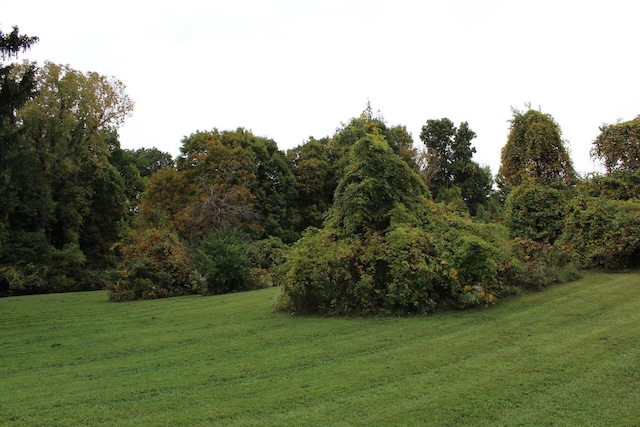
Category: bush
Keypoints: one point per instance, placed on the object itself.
(534, 211)
(605, 232)
(408, 268)
(155, 264)
(536, 265)
(386, 247)
(223, 260)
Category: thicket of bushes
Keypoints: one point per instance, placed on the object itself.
(388, 248)
(385, 246)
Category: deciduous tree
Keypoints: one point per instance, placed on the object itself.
(618, 146)
(65, 197)
(535, 150)
(449, 163)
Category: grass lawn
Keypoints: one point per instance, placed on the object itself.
(567, 356)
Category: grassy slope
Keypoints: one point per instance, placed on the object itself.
(566, 356)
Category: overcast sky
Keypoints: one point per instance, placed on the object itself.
(290, 69)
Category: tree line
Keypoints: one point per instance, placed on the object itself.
(361, 221)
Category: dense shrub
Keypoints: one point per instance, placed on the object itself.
(535, 265)
(618, 185)
(266, 257)
(47, 269)
(387, 248)
(223, 260)
(535, 211)
(604, 232)
(155, 264)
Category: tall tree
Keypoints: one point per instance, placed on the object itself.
(274, 189)
(385, 247)
(136, 168)
(15, 91)
(220, 173)
(397, 137)
(315, 181)
(618, 146)
(66, 197)
(376, 181)
(69, 125)
(535, 150)
(449, 163)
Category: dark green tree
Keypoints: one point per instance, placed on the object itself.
(315, 181)
(375, 182)
(223, 259)
(64, 197)
(604, 232)
(319, 164)
(274, 190)
(397, 137)
(15, 90)
(449, 164)
(136, 168)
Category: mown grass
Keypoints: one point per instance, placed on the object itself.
(567, 356)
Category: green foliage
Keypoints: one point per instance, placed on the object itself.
(223, 260)
(316, 276)
(19, 279)
(535, 211)
(376, 181)
(397, 138)
(59, 188)
(64, 269)
(352, 264)
(165, 200)
(155, 264)
(537, 264)
(618, 185)
(618, 146)
(275, 191)
(449, 164)
(57, 270)
(315, 181)
(226, 179)
(15, 90)
(267, 253)
(387, 248)
(604, 232)
(136, 168)
(535, 150)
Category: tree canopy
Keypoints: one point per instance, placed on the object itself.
(618, 146)
(355, 222)
(449, 164)
(63, 198)
(535, 150)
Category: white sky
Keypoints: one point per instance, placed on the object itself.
(289, 69)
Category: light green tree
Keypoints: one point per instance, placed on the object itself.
(535, 150)
(618, 146)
